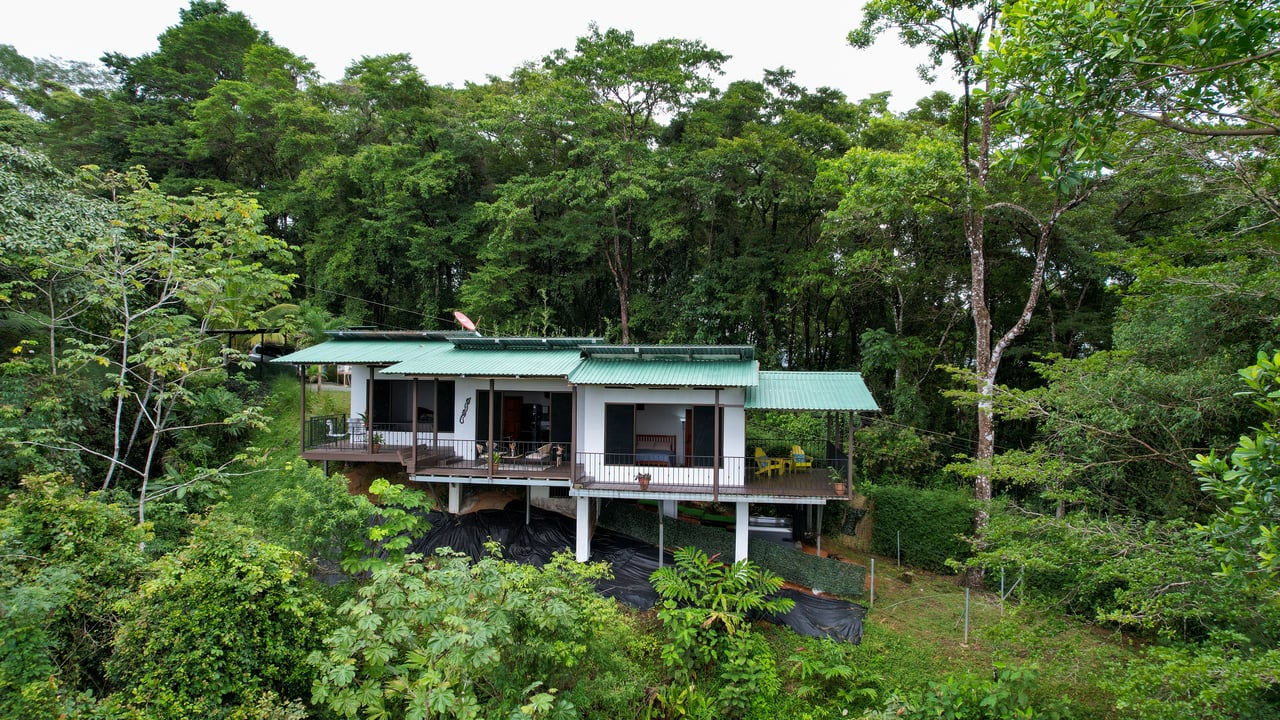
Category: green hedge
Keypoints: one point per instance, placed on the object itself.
(933, 524)
(830, 576)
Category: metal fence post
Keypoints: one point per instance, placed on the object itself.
(873, 582)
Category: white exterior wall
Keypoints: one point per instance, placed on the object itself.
(359, 389)
(465, 388)
(663, 413)
(464, 428)
(593, 399)
(652, 420)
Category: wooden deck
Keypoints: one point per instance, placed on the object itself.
(443, 464)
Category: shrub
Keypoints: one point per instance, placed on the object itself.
(892, 455)
(704, 612)
(306, 511)
(225, 619)
(933, 524)
(1152, 577)
(1223, 678)
(1011, 694)
(443, 637)
(65, 558)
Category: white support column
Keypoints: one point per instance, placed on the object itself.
(669, 508)
(662, 541)
(455, 498)
(819, 530)
(583, 549)
(741, 528)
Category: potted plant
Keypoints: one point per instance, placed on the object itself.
(375, 442)
(837, 480)
(494, 457)
(643, 479)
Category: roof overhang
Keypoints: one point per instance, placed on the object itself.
(669, 372)
(812, 391)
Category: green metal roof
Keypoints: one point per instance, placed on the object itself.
(784, 390)
(678, 373)
(486, 363)
(581, 361)
(365, 351)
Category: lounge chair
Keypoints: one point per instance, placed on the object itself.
(333, 432)
(799, 459)
(544, 455)
(767, 465)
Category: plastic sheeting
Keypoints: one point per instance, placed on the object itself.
(632, 562)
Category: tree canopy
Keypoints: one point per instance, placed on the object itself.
(1053, 283)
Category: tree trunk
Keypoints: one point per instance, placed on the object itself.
(986, 365)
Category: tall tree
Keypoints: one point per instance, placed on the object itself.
(1206, 68)
(42, 212)
(383, 213)
(168, 272)
(746, 255)
(958, 33)
(603, 105)
(159, 90)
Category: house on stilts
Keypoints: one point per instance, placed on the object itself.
(581, 418)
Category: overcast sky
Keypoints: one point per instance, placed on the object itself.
(460, 41)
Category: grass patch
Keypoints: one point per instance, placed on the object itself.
(915, 634)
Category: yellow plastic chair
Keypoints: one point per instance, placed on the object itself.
(766, 464)
(799, 459)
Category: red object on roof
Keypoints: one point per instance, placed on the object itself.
(464, 321)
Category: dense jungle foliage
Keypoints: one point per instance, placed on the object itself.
(1063, 287)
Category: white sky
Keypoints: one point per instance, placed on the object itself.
(468, 40)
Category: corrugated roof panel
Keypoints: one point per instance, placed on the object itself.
(487, 363)
(783, 390)
(476, 342)
(364, 352)
(678, 373)
(674, 352)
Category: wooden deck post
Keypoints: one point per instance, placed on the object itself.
(489, 445)
(302, 387)
(719, 451)
(848, 467)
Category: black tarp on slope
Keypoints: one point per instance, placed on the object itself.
(632, 562)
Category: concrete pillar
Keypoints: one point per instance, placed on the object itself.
(583, 534)
(669, 508)
(741, 528)
(455, 498)
(662, 540)
(819, 530)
